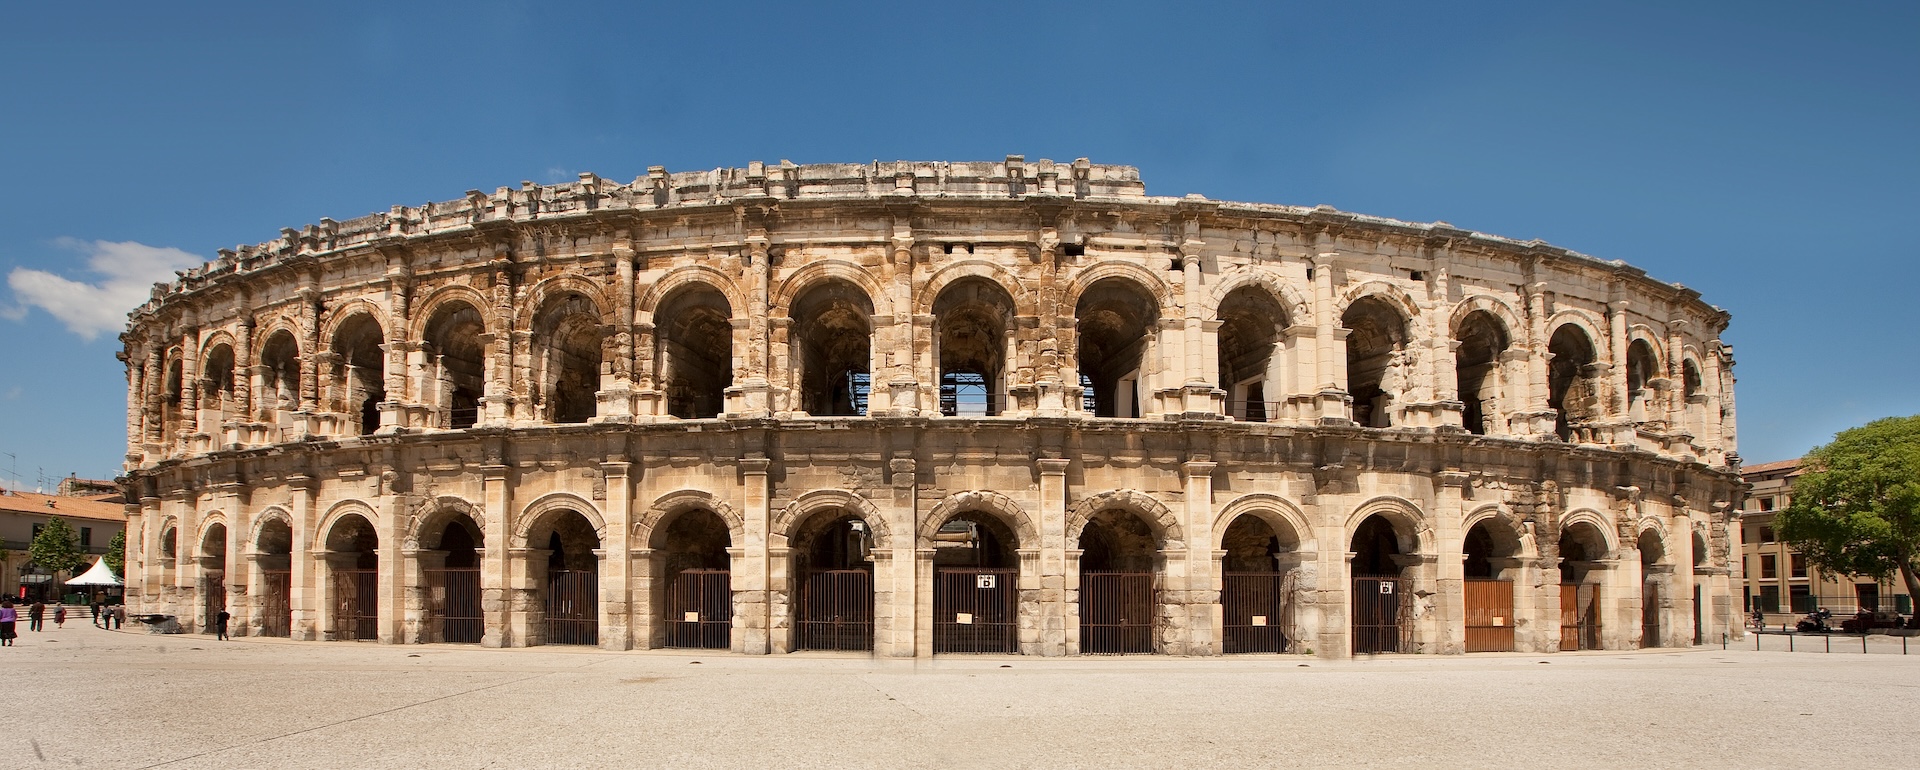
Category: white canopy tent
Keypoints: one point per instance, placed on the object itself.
(98, 575)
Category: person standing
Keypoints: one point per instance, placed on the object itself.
(60, 616)
(8, 617)
(95, 607)
(37, 616)
(220, 625)
(119, 616)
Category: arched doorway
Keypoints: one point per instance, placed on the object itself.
(567, 338)
(1258, 589)
(1254, 358)
(694, 586)
(277, 388)
(451, 567)
(353, 567)
(458, 356)
(1492, 561)
(1382, 596)
(832, 559)
(1645, 380)
(1581, 549)
(1699, 612)
(359, 383)
(273, 561)
(569, 578)
(213, 575)
(972, 322)
(1572, 392)
(976, 576)
(1482, 340)
(1115, 322)
(1118, 600)
(1654, 572)
(694, 351)
(832, 348)
(1376, 364)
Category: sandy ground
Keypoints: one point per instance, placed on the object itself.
(83, 697)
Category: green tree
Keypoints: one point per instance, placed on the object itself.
(55, 549)
(116, 557)
(1856, 510)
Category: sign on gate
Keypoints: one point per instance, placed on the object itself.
(983, 581)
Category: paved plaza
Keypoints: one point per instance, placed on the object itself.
(83, 697)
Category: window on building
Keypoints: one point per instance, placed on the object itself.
(86, 537)
(1869, 594)
(1798, 563)
(1766, 534)
(1769, 567)
(1766, 504)
(1802, 598)
(1903, 604)
(1769, 600)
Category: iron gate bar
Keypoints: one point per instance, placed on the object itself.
(1489, 605)
(836, 610)
(276, 603)
(356, 604)
(1116, 613)
(1376, 614)
(216, 600)
(975, 610)
(1253, 609)
(454, 600)
(573, 607)
(1579, 623)
(699, 612)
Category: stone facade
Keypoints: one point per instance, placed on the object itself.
(780, 370)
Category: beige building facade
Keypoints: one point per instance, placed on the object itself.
(1779, 581)
(930, 408)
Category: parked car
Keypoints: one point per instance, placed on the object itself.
(1864, 621)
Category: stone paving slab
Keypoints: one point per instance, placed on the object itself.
(83, 697)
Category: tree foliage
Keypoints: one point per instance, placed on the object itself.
(55, 549)
(1856, 509)
(116, 557)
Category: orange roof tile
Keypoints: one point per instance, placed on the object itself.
(12, 501)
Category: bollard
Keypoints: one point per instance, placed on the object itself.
(1723, 641)
(1789, 643)
(1829, 638)
(1863, 644)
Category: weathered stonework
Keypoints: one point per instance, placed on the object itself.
(600, 379)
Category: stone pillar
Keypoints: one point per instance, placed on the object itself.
(1329, 350)
(1676, 371)
(136, 425)
(1450, 603)
(616, 573)
(903, 520)
(648, 595)
(1201, 598)
(189, 388)
(393, 583)
(243, 376)
(238, 570)
(1679, 626)
(1540, 416)
(753, 567)
(304, 589)
(310, 345)
(156, 386)
(1617, 356)
(1057, 624)
(497, 496)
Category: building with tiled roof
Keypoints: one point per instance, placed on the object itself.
(94, 519)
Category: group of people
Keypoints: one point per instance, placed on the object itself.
(104, 616)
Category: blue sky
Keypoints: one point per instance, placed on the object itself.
(1762, 153)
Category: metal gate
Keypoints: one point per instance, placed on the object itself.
(1116, 613)
(1699, 628)
(573, 607)
(1489, 615)
(836, 610)
(1649, 615)
(455, 600)
(356, 602)
(1376, 614)
(974, 610)
(214, 595)
(276, 603)
(1253, 607)
(700, 609)
(1579, 620)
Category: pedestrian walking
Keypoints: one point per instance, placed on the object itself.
(8, 617)
(119, 616)
(95, 606)
(60, 616)
(37, 616)
(220, 624)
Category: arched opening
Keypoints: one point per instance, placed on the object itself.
(1492, 563)
(1699, 546)
(1253, 358)
(976, 576)
(832, 348)
(353, 567)
(695, 351)
(1572, 392)
(694, 584)
(213, 574)
(1654, 576)
(971, 321)
(360, 377)
(1382, 594)
(216, 384)
(1643, 368)
(1376, 363)
(279, 387)
(450, 564)
(1259, 586)
(1114, 325)
(1118, 598)
(567, 350)
(457, 351)
(1581, 549)
(1693, 391)
(833, 561)
(172, 418)
(569, 578)
(1482, 339)
(169, 554)
(274, 561)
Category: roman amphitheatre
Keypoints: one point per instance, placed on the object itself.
(929, 408)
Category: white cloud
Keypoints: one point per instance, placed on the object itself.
(128, 271)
